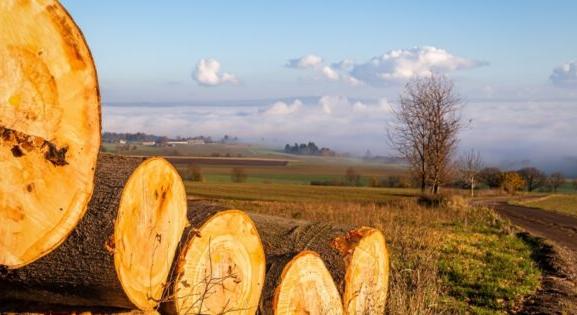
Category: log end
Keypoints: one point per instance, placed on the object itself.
(221, 268)
(149, 225)
(49, 128)
(367, 274)
(306, 287)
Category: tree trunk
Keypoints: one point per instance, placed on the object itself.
(49, 128)
(220, 267)
(120, 253)
(356, 258)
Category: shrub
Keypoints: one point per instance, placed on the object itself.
(193, 173)
(238, 175)
(352, 178)
(513, 182)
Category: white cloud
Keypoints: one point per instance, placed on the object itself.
(538, 129)
(207, 73)
(403, 64)
(392, 67)
(305, 62)
(330, 73)
(565, 75)
(282, 108)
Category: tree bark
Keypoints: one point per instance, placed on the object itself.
(81, 272)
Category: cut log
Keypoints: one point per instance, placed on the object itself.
(49, 128)
(121, 252)
(305, 286)
(220, 268)
(356, 258)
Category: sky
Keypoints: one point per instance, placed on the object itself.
(331, 72)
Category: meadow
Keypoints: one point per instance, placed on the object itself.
(564, 203)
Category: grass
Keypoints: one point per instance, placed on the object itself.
(485, 267)
(564, 203)
(450, 260)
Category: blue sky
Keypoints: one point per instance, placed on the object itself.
(145, 43)
(499, 53)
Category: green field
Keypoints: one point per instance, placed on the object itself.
(299, 170)
(565, 203)
(294, 193)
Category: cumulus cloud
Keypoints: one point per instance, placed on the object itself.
(207, 73)
(392, 67)
(565, 75)
(403, 64)
(282, 108)
(309, 61)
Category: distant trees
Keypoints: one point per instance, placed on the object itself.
(308, 149)
(534, 178)
(470, 164)
(555, 180)
(238, 175)
(491, 176)
(513, 182)
(425, 133)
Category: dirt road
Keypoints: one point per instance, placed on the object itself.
(557, 227)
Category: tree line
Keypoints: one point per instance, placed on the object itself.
(308, 149)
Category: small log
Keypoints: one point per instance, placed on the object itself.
(305, 286)
(220, 268)
(49, 128)
(120, 253)
(356, 258)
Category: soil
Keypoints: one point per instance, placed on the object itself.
(553, 237)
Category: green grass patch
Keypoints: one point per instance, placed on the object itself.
(564, 203)
(485, 268)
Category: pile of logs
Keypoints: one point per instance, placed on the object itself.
(83, 231)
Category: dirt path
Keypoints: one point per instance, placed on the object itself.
(557, 227)
(554, 239)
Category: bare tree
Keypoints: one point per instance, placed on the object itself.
(534, 178)
(556, 180)
(426, 127)
(470, 165)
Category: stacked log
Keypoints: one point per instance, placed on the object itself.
(83, 232)
(120, 254)
(356, 258)
(220, 268)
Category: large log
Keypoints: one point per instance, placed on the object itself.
(49, 128)
(120, 254)
(220, 268)
(356, 258)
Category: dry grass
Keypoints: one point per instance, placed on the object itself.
(564, 203)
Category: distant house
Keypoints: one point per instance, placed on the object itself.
(196, 141)
(122, 141)
(173, 143)
(148, 143)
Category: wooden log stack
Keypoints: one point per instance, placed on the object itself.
(81, 231)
